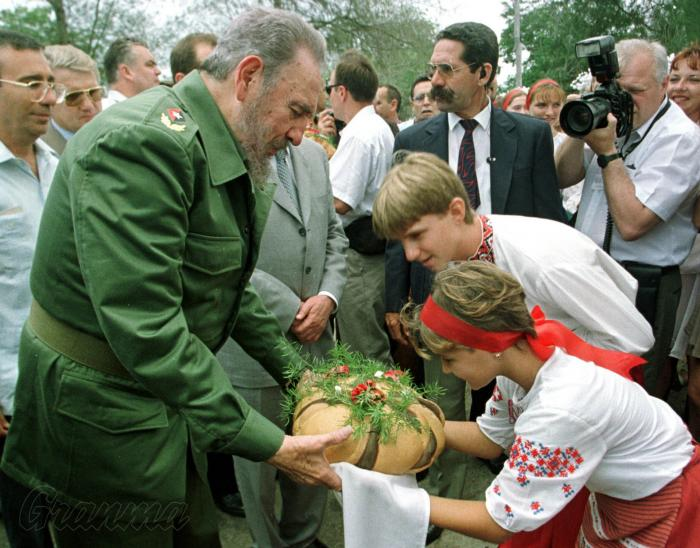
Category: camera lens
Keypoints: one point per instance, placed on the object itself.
(580, 119)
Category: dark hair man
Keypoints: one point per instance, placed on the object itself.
(189, 53)
(506, 164)
(147, 244)
(27, 165)
(387, 103)
(357, 168)
(422, 103)
(130, 69)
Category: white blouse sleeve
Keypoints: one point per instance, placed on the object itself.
(551, 459)
(498, 419)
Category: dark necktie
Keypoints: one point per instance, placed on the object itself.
(466, 164)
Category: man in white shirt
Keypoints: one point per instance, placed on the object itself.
(27, 94)
(647, 184)
(130, 69)
(356, 170)
(77, 71)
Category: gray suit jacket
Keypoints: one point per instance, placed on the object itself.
(54, 139)
(300, 255)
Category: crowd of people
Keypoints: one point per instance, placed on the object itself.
(168, 248)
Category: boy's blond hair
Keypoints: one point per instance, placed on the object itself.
(477, 292)
(422, 184)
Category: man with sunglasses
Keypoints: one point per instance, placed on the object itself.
(422, 102)
(506, 163)
(356, 171)
(27, 165)
(77, 71)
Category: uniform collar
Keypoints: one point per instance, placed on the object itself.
(224, 154)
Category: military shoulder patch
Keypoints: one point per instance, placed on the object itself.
(173, 119)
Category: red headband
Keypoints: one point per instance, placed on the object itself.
(550, 334)
(512, 94)
(535, 86)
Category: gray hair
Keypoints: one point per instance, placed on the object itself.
(627, 49)
(274, 35)
(70, 58)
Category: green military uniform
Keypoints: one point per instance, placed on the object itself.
(149, 237)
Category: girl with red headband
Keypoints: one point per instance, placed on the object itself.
(570, 417)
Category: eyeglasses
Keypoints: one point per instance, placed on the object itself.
(74, 98)
(419, 98)
(445, 69)
(40, 89)
(329, 87)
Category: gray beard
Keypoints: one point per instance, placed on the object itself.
(253, 142)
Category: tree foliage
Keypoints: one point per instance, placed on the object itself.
(90, 25)
(394, 34)
(550, 28)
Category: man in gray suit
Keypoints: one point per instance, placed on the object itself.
(300, 276)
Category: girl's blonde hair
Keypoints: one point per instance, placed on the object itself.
(421, 184)
(480, 294)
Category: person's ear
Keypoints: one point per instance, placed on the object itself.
(125, 72)
(485, 74)
(248, 74)
(456, 210)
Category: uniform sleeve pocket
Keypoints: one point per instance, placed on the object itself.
(213, 254)
(107, 407)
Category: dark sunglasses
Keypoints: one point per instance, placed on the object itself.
(329, 87)
(74, 98)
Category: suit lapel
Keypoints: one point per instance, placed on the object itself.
(435, 136)
(504, 146)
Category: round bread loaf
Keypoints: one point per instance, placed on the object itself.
(396, 430)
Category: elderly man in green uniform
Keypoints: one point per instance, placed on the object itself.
(149, 237)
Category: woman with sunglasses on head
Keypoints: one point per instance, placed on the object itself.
(570, 417)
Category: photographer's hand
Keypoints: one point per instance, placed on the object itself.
(602, 141)
(632, 218)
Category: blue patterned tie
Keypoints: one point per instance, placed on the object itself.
(466, 164)
(285, 177)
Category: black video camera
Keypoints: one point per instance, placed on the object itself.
(579, 118)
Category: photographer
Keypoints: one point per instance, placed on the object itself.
(646, 182)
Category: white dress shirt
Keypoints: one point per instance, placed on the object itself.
(482, 151)
(22, 198)
(113, 97)
(665, 170)
(360, 163)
